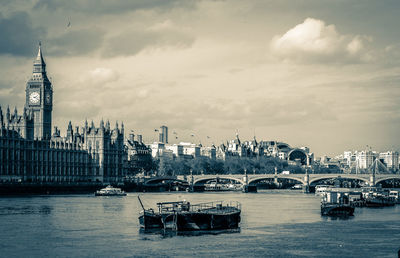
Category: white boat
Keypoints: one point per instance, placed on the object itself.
(216, 186)
(396, 195)
(321, 189)
(297, 187)
(110, 191)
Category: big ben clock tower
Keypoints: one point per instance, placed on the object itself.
(39, 98)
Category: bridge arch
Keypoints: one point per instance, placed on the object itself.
(299, 155)
(294, 178)
(389, 177)
(161, 179)
(223, 177)
(342, 176)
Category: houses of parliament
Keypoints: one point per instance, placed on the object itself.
(30, 151)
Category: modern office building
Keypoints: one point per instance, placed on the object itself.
(163, 136)
(390, 159)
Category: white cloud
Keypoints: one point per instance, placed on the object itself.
(143, 93)
(355, 46)
(100, 76)
(315, 40)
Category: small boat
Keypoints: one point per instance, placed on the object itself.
(110, 191)
(336, 204)
(297, 187)
(377, 197)
(396, 195)
(217, 186)
(183, 216)
(322, 189)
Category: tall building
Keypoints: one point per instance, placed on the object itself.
(163, 136)
(30, 152)
(39, 98)
(390, 159)
(365, 159)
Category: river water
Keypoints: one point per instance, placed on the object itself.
(275, 223)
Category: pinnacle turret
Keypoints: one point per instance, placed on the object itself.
(39, 66)
(8, 113)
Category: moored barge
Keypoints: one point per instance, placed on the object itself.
(183, 216)
(336, 204)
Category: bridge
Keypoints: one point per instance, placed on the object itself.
(252, 179)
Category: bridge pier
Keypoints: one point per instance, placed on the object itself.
(372, 180)
(191, 183)
(245, 182)
(276, 177)
(306, 186)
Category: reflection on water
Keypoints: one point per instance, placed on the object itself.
(337, 217)
(165, 233)
(110, 204)
(23, 210)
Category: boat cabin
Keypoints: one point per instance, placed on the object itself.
(336, 197)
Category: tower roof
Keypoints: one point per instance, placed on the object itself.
(39, 65)
(39, 58)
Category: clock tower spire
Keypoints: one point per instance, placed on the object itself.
(39, 98)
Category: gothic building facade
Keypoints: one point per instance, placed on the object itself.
(29, 152)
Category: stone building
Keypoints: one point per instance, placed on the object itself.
(139, 156)
(30, 152)
(237, 148)
(28, 160)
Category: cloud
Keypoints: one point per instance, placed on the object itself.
(18, 36)
(160, 35)
(108, 7)
(100, 76)
(75, 42)
(143, 93)
(313, 40)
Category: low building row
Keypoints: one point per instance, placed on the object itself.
(354, 161)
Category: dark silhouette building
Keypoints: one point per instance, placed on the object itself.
(163, 136)
(29, 152)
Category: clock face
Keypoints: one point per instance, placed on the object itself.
(34, 97)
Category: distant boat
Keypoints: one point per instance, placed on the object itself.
(378, 197)
(183, 216)
(322, 189)
(297, 187)
(217, 186)
(336, 204)
(396, 195)
(110, 191)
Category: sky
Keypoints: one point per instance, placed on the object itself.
(322, 74)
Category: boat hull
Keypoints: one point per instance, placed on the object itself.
(207, 221)
(379, 202)
(150, 220)
(191, 221)
(337, 210)
(108, 194)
